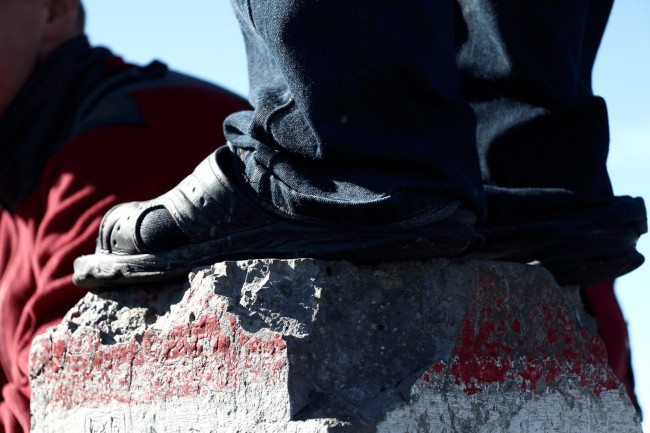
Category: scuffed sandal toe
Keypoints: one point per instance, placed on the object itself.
(118, 230)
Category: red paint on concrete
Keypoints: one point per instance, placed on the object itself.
(192, 359)
(481, 355)
(435, 369)
(534, 340)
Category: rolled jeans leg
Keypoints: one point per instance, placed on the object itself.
(358, 114)
(542, 134)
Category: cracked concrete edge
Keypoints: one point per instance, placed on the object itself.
(98, 317)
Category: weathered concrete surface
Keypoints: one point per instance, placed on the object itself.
(311, 346)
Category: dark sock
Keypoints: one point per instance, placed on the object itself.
(159, 232)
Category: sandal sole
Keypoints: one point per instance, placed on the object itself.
(280, 241)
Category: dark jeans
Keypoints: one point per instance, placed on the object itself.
(375, 110)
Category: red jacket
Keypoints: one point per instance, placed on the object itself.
(111, 160)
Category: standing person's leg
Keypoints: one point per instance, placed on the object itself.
(360, 146)
(543, 141)
(358, 113)
(543, 138)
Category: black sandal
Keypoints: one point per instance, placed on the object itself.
(221, 221)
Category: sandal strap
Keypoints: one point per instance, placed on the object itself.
(205, 205)
(208, 204)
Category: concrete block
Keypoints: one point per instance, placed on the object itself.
(311, 346)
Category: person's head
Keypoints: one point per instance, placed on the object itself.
(29, 31)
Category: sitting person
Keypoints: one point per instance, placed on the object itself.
(80, 131)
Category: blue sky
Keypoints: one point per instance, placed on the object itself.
(201, 37)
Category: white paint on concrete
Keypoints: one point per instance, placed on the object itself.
(494, 411)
